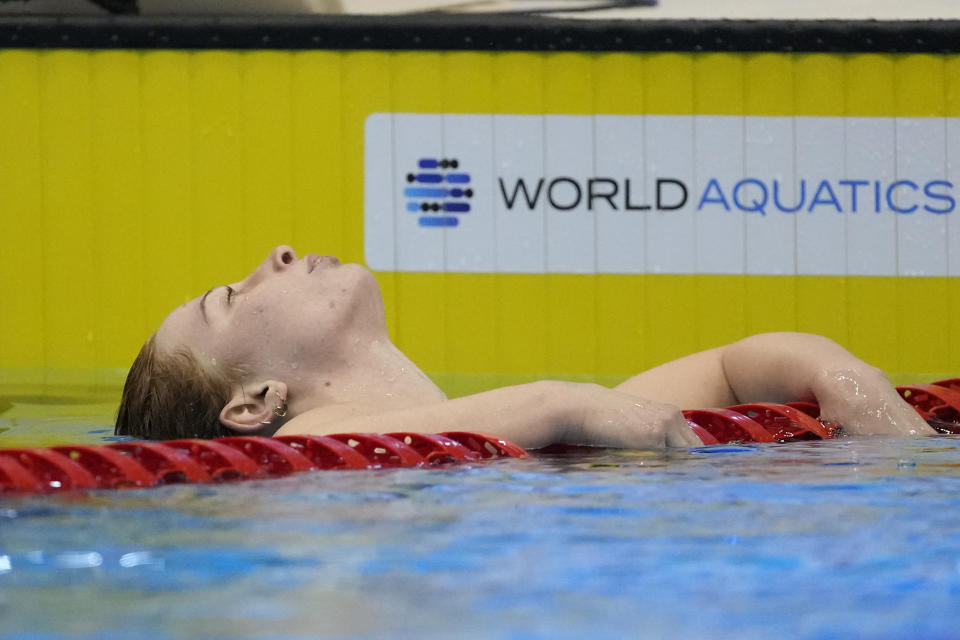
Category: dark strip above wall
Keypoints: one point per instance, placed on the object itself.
(476, 32)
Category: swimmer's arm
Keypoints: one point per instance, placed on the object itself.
(780, 367)
(530, 415)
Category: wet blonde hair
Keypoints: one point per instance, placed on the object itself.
(170, 396)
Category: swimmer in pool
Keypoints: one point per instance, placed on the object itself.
(300, 347)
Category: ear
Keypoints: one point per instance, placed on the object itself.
(251, 407)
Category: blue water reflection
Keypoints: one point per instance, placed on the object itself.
(854, 538)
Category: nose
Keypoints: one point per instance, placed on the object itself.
(277, 260)
(282, 257)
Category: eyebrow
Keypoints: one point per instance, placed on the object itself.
(203, 308)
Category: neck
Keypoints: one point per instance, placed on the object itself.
(374, 377)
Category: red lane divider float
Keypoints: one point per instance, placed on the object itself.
(938, 403)
(147, 464)
(933, 401)
(784, 422)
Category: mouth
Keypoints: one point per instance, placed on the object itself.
(314, 261)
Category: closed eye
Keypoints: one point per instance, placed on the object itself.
(230, 293)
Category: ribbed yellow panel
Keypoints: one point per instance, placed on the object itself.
(668, 80)
(868, 85)
(421, 322)
(618, 83)
(467, 81)
(168, 204)
(365, 87)
(618, 88)
(318, 161)
(671, 304)
(219, 137)
(571, 307)
(951, 88)
(871, 332)
(66, 148)
(518, 80)
(818, 84)
(22, 242)
(768, 84)
(266, 130)
(821, 301)
(718, 84)
(720, 313)
(922, 348)
(117, 196)
(919, 82)
(919, 86)
(134, 181)
(518, 87)
(771, 301)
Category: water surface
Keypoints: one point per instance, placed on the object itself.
(851, 538)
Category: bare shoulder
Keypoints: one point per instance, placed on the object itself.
(328, 419)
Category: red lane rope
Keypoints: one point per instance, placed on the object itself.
(147, 464)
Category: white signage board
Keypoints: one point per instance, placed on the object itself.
(705, 194)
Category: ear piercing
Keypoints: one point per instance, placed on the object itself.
(280, 410)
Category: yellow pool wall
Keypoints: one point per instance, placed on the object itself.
(132, 181)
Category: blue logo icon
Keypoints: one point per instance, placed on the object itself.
(438, 192)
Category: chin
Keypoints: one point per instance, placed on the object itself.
(363, 287)
(372, 298)
(364, 277)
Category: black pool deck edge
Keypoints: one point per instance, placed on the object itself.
(477, 32)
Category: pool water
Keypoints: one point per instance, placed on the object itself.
(849, 538)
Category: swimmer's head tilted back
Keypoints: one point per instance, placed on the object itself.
(223, 363)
